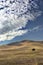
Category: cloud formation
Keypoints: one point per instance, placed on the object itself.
(37, 28)
(14, 14)
(10, 35)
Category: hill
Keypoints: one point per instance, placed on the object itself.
(22, 53)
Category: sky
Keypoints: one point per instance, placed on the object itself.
(21, 20)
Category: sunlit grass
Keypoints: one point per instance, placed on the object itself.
(21, 55)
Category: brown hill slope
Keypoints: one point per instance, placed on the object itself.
(22, 53)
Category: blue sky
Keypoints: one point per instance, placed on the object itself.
(29, 28)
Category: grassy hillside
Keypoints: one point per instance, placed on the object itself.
(22, 53)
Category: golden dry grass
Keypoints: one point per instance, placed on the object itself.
(22, 54)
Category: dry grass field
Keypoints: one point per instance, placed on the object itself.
(22, 53)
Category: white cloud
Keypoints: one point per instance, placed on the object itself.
(37, 28)
(13, 17)
(10, 35)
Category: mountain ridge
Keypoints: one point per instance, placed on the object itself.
(19, 42)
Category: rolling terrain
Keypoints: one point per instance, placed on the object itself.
(22, 53)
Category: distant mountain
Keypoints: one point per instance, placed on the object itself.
(19, 43)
